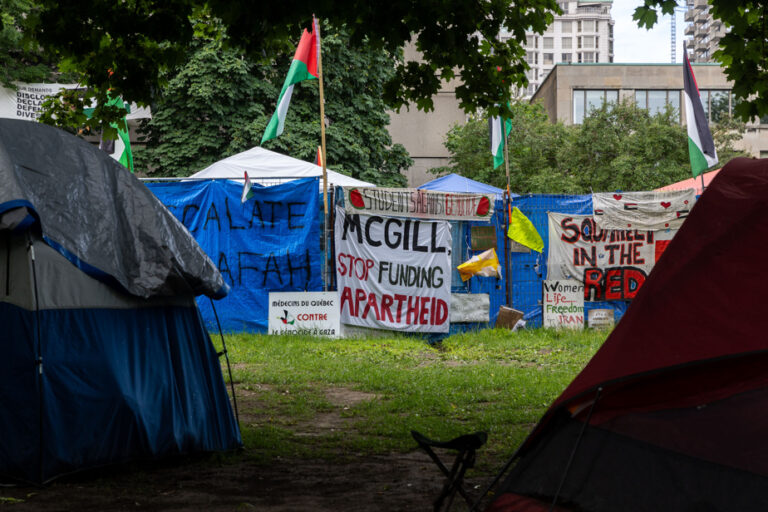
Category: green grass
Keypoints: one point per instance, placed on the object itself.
(493, 380)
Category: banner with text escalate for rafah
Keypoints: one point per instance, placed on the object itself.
(393, 273)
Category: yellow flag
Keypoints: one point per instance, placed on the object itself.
(522, 231)
(484, 264)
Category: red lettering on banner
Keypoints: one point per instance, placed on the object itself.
(386, 304)
(617, 283)
(359, 297)
(423, 320)
(418, 310)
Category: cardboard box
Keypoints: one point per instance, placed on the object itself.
(508, 317)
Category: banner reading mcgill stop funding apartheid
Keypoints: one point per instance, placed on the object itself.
(393, 273)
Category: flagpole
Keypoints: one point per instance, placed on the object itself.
(322, 144)
(509, 213)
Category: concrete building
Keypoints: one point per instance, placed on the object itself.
(423, 133)
(703, 32)
(569, 91)
(582, 34)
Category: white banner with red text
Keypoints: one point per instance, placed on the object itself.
(612, 264)
(393, 273)
(419, 204)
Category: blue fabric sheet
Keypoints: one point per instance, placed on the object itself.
(117, 385)
(269, 243)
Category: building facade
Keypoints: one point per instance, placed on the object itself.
(570, 91)
(703, 32)
(582, 34)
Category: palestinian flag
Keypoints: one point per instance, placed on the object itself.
(303, 67)
(497, 140)
(247, 194)
(120, 148)
(701, 147)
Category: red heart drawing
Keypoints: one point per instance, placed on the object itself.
(666, 204)
(617, 197)
(685, 202)
(666, 225)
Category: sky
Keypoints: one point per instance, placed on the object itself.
(634, 44)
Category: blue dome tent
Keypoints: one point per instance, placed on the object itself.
(105, 358)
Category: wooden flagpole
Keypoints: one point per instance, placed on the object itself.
(509, 214)
(316, 27)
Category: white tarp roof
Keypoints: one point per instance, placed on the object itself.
(264, 165)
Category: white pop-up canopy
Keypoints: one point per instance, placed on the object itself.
(267, 168)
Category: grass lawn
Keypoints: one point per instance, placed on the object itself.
(493, 380)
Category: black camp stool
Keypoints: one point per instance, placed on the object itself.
(466, 446)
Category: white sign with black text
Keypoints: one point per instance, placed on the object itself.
(306, 313)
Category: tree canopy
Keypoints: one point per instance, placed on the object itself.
(127, 46)
(743, 50)
(617, 147)
(219, 103)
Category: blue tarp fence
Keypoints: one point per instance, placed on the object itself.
(530, 269)
(272, 243)
(269, 243)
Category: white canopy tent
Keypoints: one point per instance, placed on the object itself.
(266, 167)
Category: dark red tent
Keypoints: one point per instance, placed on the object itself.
(672, 411)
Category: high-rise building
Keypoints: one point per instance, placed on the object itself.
(703, 31)
(582, 34)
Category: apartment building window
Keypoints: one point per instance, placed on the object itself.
(586, 57)
(656, 100)
(563, 7)
(586, 100)
(587, 42)
(548, 43)
(566, 26)
(532, 42)
(549, 59)
(566, 57)
(566, 43)
(532, 57)
(587, 26)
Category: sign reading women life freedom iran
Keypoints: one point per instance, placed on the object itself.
(419, 204)
(393, 273)
(612, 264)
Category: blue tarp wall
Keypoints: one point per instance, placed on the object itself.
(529, 269)
(272, 243)
(269, 243)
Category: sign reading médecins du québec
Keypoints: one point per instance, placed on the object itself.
(309, 313)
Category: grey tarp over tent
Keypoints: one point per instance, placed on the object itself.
(105, 222)
(103, 354)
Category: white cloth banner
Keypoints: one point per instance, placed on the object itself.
(26, 102)
(643, 210)
(393, 273)
(419, 204)
(612, 264)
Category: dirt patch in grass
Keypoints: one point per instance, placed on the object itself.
(241, 482)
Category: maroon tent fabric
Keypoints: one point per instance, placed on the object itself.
(704, 298)
(681, 415)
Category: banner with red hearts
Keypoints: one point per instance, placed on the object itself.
(419, 204)
(650, 210)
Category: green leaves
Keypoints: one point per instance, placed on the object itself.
(220, 102)
(618, 147)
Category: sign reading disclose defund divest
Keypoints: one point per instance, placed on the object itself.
(393, 273)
